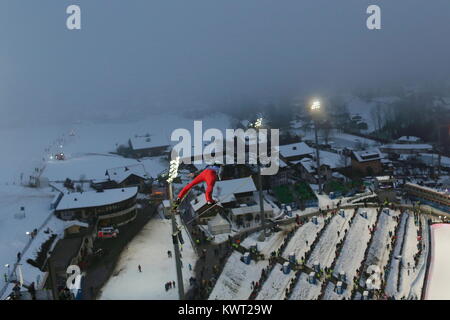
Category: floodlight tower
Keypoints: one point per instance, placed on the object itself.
(257, 125)
(173, 173)
(315, 111)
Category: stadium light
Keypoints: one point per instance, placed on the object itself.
(315, 105)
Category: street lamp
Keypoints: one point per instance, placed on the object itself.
(315, 108)
(257, 125)
(173, 173)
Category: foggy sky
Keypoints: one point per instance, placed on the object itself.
(150, 55)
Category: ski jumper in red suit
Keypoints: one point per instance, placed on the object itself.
(209, 176)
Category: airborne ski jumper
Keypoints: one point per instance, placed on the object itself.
(209, 175)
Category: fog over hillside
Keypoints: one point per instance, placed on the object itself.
(145, 56)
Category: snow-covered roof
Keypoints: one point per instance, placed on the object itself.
(444, 192)
(76, 200)
(331, 159)
(403, 146)
(139, 143)
(384, 178)
(297, 124)
(367, 155)
(225, 190)
(308, 164)
(68, 224)
(295, 149)
(408, 139)
(230, 187)
(166, 203)
(338, 175)
(121, 173)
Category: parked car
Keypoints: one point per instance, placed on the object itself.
(107, 232)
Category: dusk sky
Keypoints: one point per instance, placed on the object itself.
(139, 55)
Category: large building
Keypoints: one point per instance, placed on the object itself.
(439, 199)
(108, 207)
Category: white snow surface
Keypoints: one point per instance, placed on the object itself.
(439, 276)
(234, 282)
(352, 252)
(149, 249)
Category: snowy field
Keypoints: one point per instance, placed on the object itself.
(306, 233)
(439, 275)
(13, 228)
(272, 243)
(25, 147)
(304, 290)
(323, 253)
(234, 282)
(352, 252)
(275, 286)
(378, 252)
(149, 249)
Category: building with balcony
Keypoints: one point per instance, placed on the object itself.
(107, 207)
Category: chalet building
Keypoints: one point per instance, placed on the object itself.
(147, 147)
(330, 163)
(308, 171)
(295, 151)
(122, 177)
(101, 208)
(367, 162)
(284, 175)
(232, 194)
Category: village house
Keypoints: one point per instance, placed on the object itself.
(134, 176)
(232, 194)
(295, 151)
(146, 146)
(367, 162)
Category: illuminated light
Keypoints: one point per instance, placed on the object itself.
(173, 169)
(315, 105)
